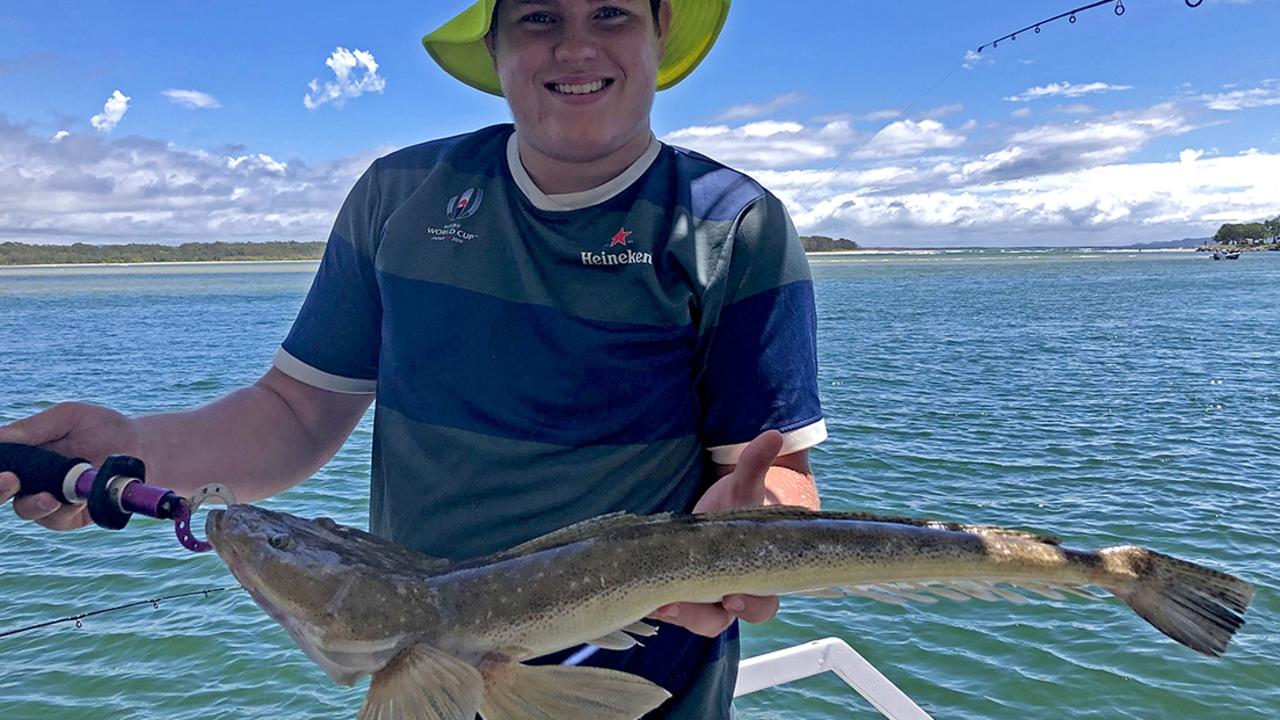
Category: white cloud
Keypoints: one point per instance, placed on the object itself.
(766, 144)
(1065, 89)
(1021, 113)
(91, 188)
(112, 112)
(908, 137)
(880, 115)
(247, 163)
(974, 58)
(942, 111)
(1056, 147)
(193, 99)
(58, 136)
(1075, 109)
(355, 73)
(750, 110)
(1118, 203)
(1265, 95)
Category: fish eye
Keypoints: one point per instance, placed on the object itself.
(281, 542)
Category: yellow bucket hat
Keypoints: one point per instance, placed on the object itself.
(458, 45)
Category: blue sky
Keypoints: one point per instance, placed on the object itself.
(1156, 125)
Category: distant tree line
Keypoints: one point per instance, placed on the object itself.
(822, 243)
(12, 253)
(1249, 233)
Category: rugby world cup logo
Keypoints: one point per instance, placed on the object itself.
(465, 205)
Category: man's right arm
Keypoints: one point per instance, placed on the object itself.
(258, 441)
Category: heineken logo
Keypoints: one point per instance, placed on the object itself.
(626, 256)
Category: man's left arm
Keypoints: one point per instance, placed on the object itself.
(761, 477)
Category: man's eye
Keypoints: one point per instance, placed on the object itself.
(611, 11)
(538, 18)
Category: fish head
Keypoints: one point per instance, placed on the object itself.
(349, 599)
(290, 565)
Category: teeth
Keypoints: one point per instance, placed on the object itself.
(585, 89)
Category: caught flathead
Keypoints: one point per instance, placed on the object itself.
(446, 640)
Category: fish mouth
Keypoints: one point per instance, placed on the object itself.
(213, 525)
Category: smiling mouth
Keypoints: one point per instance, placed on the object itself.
(590, 88)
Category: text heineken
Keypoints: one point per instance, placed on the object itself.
(629, 257)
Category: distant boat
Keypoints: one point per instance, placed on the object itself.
(1223, 255)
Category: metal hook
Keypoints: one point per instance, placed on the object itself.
(1120, 7)
(1073, 18)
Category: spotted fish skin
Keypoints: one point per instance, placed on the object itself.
(358, 605)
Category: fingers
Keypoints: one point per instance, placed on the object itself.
(711, 619)
(44, 509)
(705, 619)
(36, 507)
(752, 608)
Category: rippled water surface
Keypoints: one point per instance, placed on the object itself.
(1105, 397)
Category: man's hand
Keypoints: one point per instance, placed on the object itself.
(760, 478)
(74, 430)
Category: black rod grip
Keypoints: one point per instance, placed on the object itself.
(38, 470)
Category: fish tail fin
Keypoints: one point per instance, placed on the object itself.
(514, 691)
(1195, 605)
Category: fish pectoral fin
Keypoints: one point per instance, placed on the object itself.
(554, 692)
(641, 628)
(423, 683)
(616, 640)
(622, 639)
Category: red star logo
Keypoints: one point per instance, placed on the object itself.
(620, 238)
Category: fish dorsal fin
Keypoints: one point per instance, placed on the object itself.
(785, 512)
(423, 683)
(555, 692)
(579, 531)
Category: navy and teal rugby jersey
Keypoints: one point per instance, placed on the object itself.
(535, 365)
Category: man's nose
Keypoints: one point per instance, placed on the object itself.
(577, 43)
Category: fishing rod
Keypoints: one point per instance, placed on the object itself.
(154, 602)
(113, 492)
(1117, 6)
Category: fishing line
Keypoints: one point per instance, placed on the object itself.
(153, 602)
(1118, 7)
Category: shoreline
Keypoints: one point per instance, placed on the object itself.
(155, 263)
(822, 253)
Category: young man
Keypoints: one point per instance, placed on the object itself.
(559, 319)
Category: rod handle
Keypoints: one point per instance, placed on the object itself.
(41, 470)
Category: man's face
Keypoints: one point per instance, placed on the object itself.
(579, 75)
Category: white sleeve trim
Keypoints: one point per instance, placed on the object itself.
(302, 372)
(796, 440)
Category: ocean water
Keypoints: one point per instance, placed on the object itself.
(1106, 397)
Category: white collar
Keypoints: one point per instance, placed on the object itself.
(585, 198)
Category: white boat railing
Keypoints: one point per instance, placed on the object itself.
(819, 656)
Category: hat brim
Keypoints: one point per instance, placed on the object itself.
(458, 46)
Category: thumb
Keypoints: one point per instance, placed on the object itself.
(759, 455)
(744, 487)
(42, 428)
